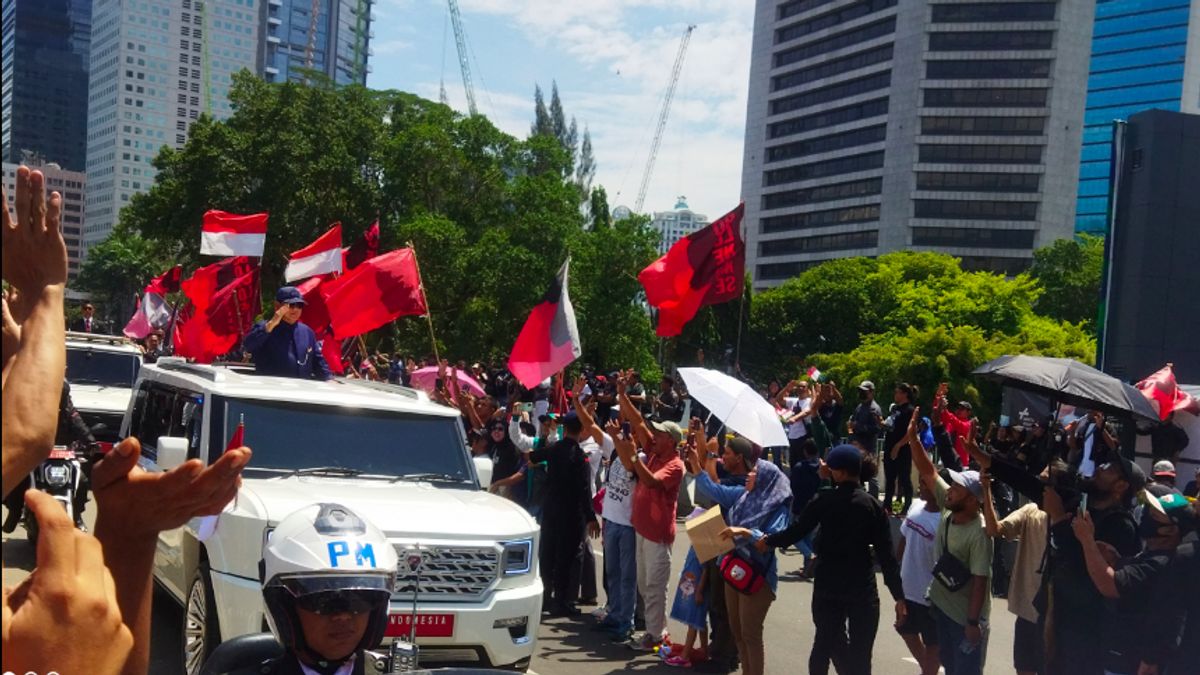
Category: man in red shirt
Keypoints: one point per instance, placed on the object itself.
(957, 423)
(655, 497)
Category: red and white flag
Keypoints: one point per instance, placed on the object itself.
(1165, 395)
(549, 341)
(152, 312)
(323, 256)
(232, 234)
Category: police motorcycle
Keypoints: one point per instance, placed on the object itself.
(61, 475)
(323, 560)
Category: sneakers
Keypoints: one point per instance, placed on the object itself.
(620, 635)
(678, 661)
(600, 613)
(644, 642)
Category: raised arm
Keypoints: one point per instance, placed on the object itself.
(633, 414)
(1102, 575)
(925, 467)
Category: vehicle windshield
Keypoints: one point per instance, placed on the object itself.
(293, 436)
(109, 369)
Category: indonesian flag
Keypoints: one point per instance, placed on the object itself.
(231, 234)
(364, 249)
(152, 312)
(374, 294)
(549, 341)
(814, 374)
(1165, 395)
(707, 267)
(323, 256)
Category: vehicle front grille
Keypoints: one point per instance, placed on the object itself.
(448, 573)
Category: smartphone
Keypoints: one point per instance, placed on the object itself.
(625, 430)
(523, 408)
(1083, 504)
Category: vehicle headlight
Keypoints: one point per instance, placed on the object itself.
(518, 557)
(58, 475)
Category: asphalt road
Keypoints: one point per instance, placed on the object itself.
(567, 647)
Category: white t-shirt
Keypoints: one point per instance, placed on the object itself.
(795, 405)
(618, 493)
(919, 530)
(595, 453)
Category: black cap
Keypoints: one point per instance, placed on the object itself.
(289, 295)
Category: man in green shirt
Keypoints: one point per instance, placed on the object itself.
(959, 594)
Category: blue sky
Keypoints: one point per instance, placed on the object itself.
(612, 59)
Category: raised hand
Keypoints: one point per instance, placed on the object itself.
(34, 254)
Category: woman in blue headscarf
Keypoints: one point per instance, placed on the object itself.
(760, 508)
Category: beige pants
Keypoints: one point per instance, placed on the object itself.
(747, 615)
(654, 578)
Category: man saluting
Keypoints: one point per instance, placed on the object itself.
(283, 346)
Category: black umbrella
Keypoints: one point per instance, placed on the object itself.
(1068, 381)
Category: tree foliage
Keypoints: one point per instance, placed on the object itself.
(1069, 271)
(116, 271)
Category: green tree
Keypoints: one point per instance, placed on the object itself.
(1069, 271)
(116, 271)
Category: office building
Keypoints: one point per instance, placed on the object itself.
(71, 185)
(335, 42)
(876, 125)
(676, 224)
(1145, 55)
(156, 66)
(1152, 310)
(45, 76)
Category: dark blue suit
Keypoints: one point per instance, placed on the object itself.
(291, 350)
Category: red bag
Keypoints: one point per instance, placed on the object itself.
(598, 502)
(742, 574)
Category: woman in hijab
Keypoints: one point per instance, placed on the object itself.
(504, 453)
(760, 508)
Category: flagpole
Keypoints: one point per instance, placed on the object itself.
(428, 315)
(171, 326)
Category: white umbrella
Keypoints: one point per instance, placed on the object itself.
(736, 404)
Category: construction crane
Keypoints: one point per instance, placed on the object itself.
(662, 118)
(464, 60)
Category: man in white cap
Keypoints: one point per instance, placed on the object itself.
(1164, 473)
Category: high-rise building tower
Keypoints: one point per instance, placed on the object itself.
(45, 80)
(156, 66)
(1145, 55)
(676, 224)
(876, 125)
(335, 41)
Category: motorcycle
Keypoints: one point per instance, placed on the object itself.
(59, 476)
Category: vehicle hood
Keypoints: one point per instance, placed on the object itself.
(100, 398)
(405, 510)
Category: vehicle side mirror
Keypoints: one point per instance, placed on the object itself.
(483, 468)
(172, 451)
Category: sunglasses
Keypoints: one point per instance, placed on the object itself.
(296, 305)
(341, 602)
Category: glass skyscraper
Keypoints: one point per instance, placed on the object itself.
(1140, 61)
(45, 80)
(335, 41)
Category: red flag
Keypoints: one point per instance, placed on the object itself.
(216, 328)
(374, 293)
(549, 340)
(1165, 395)
(167, 282)
(232, 234)
(316, 315)
(707, 267)
(323, 256)
(206, 281)
(238, 439)
(362, 250)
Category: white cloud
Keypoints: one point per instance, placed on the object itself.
(393, 46)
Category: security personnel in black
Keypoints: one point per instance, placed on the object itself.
(568, 513)
(283, 346)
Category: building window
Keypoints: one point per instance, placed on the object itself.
(985, 98)
(851, 37)
(820, 243)
(830, 19)
(833, 92)
(993, 11)
(983, 41)
(958, 181)
(814, 219)
(970, 237)
(790, 9)
(982, 126)
(998, 265)
(820, 144)
(851, 113)
(829, 167)
(822, 193)
(974, 209)
(831, 68)
(988, 69)
(980, 154)
(785, 270)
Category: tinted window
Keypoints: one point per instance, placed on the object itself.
(159, 411)
(111, 369)
(822, 242)
(832, 67)
(985, 98)
(977, 182)
(832, 92)
(999, 40)
(989, 126)
(993, 11)
(798, 6)
(295, 436)
(813, 219)
(974, 209)
(829, 118)
(989, 69)
(813, 146)
(786, 270)
(850, 37)
(829, 167)
(831, 19)
(981, 154)
(972, 237)
(1006, 266)
(823, 193)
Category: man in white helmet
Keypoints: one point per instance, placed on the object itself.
(328, 577)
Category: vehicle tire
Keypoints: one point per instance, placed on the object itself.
(201, 632)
